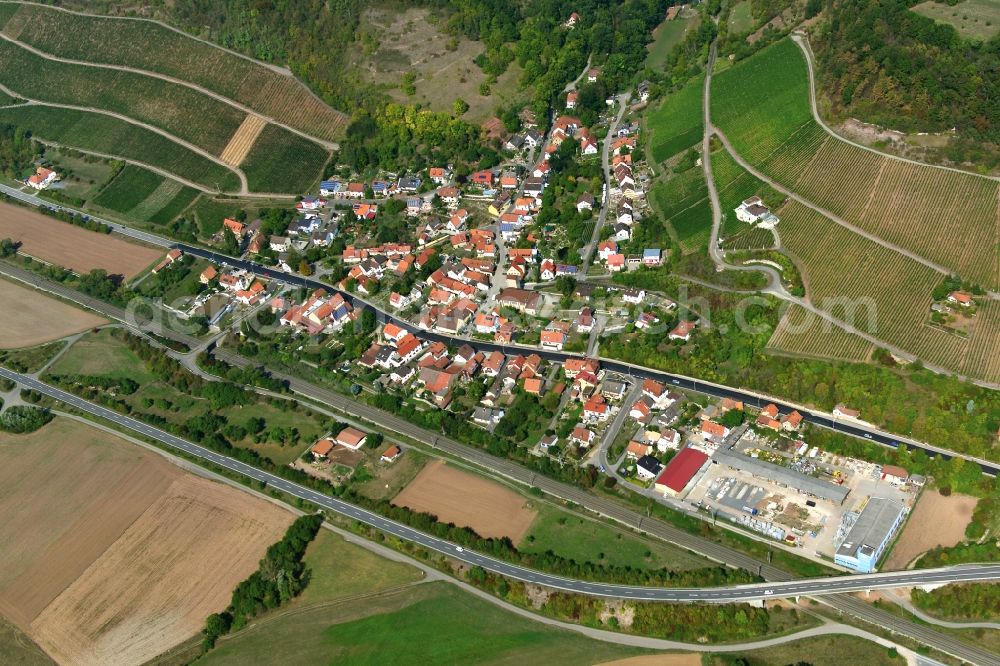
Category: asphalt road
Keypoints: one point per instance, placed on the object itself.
(855, 428)
(803, 587)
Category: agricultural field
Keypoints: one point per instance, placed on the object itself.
(950, 218)
(735, 184)
(682, 201)
(465, 499)
(241, 142)
(141, 195)
(185, 113)
(429, 623)
(677, 123)
(936, 521)
(39, 319)
(883, 293)
(801, 333)
(145, 555)
(667, 35)
(283, 162)
(104, 134)
(73, 247)
(130, 188)
(821, 650)
(585, 539)
(149, 46)
(398, 41)
(974, 19)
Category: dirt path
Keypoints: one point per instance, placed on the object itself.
(797, 37)
(329, 145)
(244, 187)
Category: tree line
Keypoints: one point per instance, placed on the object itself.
(280, 577)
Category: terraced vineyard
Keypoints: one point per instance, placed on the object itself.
(683, 202)
(678, 122)
(141, 195)
(735, 184)
(883, 293)
(156, 48)
(105, 134)
(281, 161)
(187, 114)
(803, 333)
(950, 218)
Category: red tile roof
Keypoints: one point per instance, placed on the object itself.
(682, 469)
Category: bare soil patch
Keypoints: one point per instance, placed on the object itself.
(155, 585)
(73, 247)
(935, 521)
(39, 318)
(465, 499)
(675, 659)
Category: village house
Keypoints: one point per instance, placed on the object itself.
(42, 178)
(754, 212)
(321, 450)
(582, 437)
(391, 453)
(683, 331)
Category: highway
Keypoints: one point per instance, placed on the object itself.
(739, 593)
(747, 396)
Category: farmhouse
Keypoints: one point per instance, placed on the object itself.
(42, 178)
(391, 453)
(962, 298)
(521, 300)
(754, 212)
(351, 438)
(321, 449)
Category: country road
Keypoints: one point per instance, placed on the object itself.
(855, 428)
(602, 217)
(772, 589)
(602, 506)
(329, 145)
(803, 44)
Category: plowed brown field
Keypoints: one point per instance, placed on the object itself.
(72, 247)
(39, 318)
(458, 497)
(110, 554)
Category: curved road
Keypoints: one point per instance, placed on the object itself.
(739, 593)
(602, 506)
(807, 52)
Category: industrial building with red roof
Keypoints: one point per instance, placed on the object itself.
(679, 472)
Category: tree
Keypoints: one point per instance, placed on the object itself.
(232, 244)
(460, 106)
(305, 268)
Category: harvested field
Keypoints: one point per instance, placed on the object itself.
(39, 318)
(242, 141)
(936, 521)
(73, 247)
(120, 555)
(462, 498)
(154, 586)
(665, 659)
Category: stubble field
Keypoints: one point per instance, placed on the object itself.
(462, 498)
(39, 318)
(73, 247)
(120, 555)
